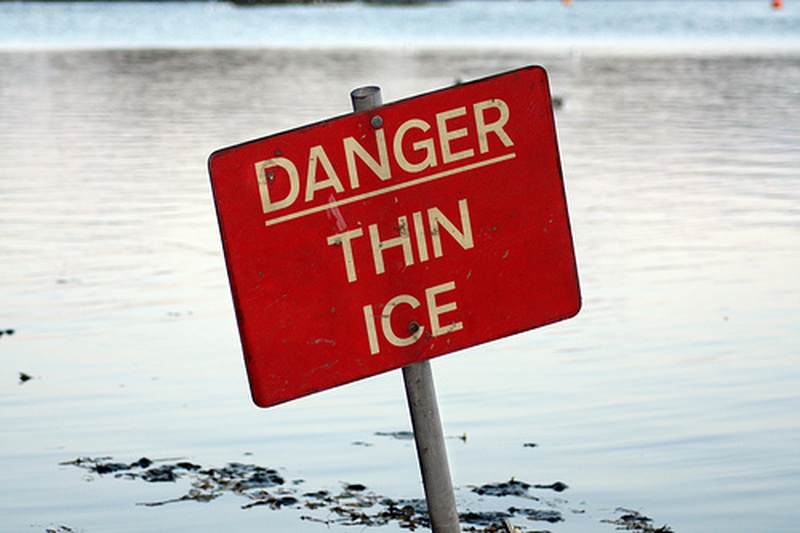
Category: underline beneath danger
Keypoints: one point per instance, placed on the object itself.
(390, 189)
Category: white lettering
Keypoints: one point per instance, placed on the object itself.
(378, 246)
(463, 237)
(264, 178)
(460, 133)
(425, 145)
(495, 127)
(343, 240)
(419, 233)
(372, 334)
(381, 169)
(446, 136)
(386, 321)
(317, 154)
(437, 223)
(435, 310)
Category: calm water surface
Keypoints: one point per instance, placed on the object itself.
(634, 25)
(674, 392)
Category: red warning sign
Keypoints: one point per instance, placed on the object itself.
(386, 237)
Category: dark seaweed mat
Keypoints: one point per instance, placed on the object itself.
(352, 505)
(630, 520)
(515, 488)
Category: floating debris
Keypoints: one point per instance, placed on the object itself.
(539, 515)
(406, 435)
(462, 437)
(486, 518)
(558, 486)
(497, 520)
(353, 505)
(516, 488)
(138, 469)
(60, 529)
(398, 435)
(365, 508)
(179, 314)
(506, 488)
(23, 377)
(635, 521)
(274, 502)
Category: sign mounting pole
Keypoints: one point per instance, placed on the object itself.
(422, 405)
(431, 451)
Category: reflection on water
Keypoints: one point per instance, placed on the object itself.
(673, 392)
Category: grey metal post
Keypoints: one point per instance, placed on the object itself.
(422, 404)
(364, 98)
(431, 450)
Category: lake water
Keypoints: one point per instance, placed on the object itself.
(674, 393)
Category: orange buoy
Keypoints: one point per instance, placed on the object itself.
(777, 4)
(568, 2)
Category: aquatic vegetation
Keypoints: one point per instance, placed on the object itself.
(353, 505)
(516, 488)
(631, 520)
(61, 528)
